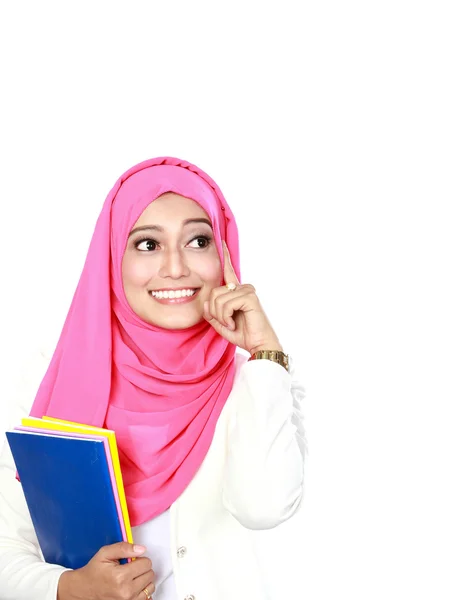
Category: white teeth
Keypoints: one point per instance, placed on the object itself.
(173, 294)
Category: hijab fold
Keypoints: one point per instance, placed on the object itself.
(160, 390)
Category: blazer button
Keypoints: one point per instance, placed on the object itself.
(181, 552)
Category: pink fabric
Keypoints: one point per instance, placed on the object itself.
(160, 390)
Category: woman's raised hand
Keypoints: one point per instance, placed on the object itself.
(104, 578)
(237, 315)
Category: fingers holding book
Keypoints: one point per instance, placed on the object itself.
(107, 578)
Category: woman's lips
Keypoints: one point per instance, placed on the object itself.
(175, 300)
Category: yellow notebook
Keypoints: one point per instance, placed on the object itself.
(54, 424)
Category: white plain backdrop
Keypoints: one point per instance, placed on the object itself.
(338, 134)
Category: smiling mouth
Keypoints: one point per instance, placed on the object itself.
(181, 293)
(174, 296)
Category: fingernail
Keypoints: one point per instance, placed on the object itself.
(139, 549)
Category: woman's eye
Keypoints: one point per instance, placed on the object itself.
(147, 245)
(205, 241)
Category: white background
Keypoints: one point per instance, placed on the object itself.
(338, 134)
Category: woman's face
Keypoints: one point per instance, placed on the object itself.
(171, 247)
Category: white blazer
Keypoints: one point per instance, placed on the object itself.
(251, 479)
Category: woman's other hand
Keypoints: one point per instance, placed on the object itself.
(238, 316)
(104, 578)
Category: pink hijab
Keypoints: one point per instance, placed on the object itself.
(161, 390)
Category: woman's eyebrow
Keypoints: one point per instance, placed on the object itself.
(159, 228)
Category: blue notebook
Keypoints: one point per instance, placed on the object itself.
(68, 490)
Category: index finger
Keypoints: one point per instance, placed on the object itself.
(229, 273)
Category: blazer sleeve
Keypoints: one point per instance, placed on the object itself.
(23, 572)
(267, 446)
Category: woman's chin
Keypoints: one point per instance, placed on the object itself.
(174, 322)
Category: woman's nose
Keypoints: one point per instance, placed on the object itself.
(173, 264)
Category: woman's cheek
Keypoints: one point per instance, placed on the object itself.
(210, 270)
(137, 272)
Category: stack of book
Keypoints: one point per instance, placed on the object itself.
(72, 482)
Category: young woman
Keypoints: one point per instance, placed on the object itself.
(211, 441)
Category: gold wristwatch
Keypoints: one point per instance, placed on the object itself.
(274, 355)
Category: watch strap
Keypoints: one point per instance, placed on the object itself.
(275, 355)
